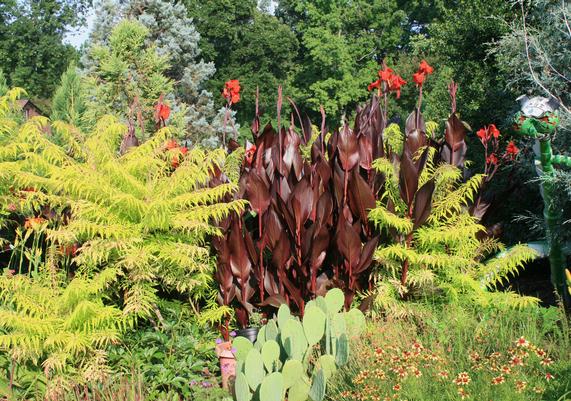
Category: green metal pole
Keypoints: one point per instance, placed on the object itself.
(552, 215)
(542, 129)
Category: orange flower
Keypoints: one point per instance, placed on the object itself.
(425, 68)
(483, 134)
(462, 393)
(512, 150)
(492, 159)
(495, 132)
(231, 91)
(171, 144)
(33, 223)
(540, 352)
(418, 78)
(498, 380)
(443, 374)
(386, 74)
(396, 83)
(162, 110)
(374, 85)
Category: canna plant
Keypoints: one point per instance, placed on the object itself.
(306, 227)
(430, 218)
(146, 213)
(320, 203)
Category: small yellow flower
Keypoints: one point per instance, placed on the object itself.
(522, 343)
(546, 362)
(549, 376)
(520, 385)
(462, 379)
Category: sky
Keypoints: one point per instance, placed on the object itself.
(78, 36)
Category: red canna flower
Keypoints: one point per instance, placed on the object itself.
(396, 83)
(231, 91)
(418, 78)
(492, 159)
(483, 134)
(512, 150)
(425, 68)
(175, 162)
(171, 144)
(386, 74)
(162, 110)
(374, 85)
(494, 131)
(184, 150)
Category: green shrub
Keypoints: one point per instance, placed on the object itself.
(175, 357)
(54, 333)
(146, 213)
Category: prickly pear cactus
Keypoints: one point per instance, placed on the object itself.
(293, 359)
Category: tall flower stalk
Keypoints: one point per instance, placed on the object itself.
(231, 92)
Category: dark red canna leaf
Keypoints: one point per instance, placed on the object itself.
(273, 228)
(423, 203)
(320, 244)
(250, 247)
(286, 213)
(361, 197)
(242, 317)
(348, 243)
(301, 201)
(348, 148)
(271, 285)
(454, 150)
(366, 255)
(307, 131)
(264, 144)
(324, 213)
(282, 252)
(415, 131)
(408, 179)
(365, 152)
(239, 259)
(291, 154)
(257, 192)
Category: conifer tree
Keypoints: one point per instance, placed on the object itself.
(173, 36)
(69, 103)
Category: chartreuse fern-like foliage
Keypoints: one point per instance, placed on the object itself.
(65, 328)
(135, 213)
(447, 259)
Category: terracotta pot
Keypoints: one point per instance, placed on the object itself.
(227, 362)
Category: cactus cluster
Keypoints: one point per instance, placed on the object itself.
(292, 358)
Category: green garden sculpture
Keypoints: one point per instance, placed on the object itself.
(538, 118)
